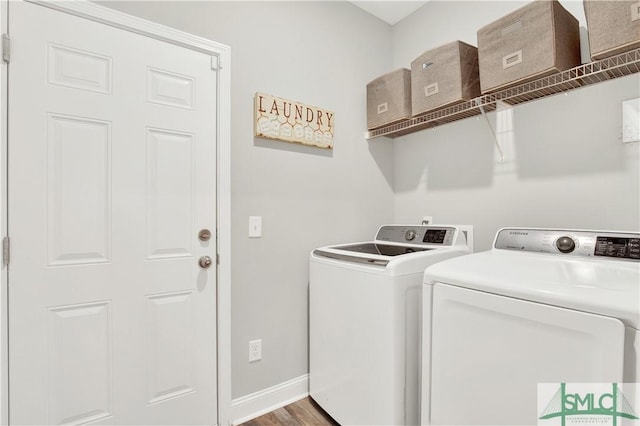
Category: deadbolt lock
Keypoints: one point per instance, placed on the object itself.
(204, 235)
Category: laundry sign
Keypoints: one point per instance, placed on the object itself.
(290, 121)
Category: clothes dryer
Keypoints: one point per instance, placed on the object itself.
(543, 306)
(364, 325)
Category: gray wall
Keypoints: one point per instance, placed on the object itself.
(566, 165)
(318, 53)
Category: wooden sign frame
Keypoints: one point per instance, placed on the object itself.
(290, 121)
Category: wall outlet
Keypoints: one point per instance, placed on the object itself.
(427, 220)
(631, 120)
(255, 350)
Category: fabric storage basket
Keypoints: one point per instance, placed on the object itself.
(444, 76)
(389, 98)
(537, 40)
(614, 26)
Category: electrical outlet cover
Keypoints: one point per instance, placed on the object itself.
(255, 350)
(631, 120)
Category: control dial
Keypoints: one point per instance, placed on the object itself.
(565, 244)
(410, 235)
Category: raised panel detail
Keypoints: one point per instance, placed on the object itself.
(79, 190)
(79, 70)
(170, 204)
(171, 348)
(170, 89)
(79, 363)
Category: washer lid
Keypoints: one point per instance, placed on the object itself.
(380, 249)
(594, 285)
(368, 252)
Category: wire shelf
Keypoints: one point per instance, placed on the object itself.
(594, 72)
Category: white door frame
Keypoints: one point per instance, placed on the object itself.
(220, 56)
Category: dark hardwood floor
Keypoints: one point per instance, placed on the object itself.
(300, 413)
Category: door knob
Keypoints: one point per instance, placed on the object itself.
(205, 262)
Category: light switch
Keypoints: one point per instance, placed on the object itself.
(255, 226)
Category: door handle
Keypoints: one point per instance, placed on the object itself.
(205, 262)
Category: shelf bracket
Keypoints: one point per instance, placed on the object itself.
(492, 130)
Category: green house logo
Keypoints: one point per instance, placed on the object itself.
(584, 404)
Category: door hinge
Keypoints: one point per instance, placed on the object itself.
(6, 48)
(5, 251)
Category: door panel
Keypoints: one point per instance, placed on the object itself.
(79, 348)
(112, 155)
(170, 194)
(79, 209)
(171, 323)
(167, 88)
(78, 69)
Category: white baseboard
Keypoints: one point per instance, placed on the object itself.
(256, 404)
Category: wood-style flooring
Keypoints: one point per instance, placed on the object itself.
(300, 413)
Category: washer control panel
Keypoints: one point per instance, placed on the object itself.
(418, 234)
(616, 245)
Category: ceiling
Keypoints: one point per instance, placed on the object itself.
(390, 11)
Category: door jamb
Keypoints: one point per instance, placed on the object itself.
(4, 327)
(220, 54)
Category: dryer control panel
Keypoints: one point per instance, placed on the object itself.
(606, 245)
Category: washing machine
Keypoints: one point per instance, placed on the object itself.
(365, 318)
(542, 306)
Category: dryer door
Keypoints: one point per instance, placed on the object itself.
(490, 352)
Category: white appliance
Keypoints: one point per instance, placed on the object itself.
(543, 306)
(364, 322)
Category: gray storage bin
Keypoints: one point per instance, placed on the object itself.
(537, 40)
(389, 98)
(614, 27)
(444, 76)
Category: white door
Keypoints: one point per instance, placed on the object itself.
(112, 142)
(490, 352)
